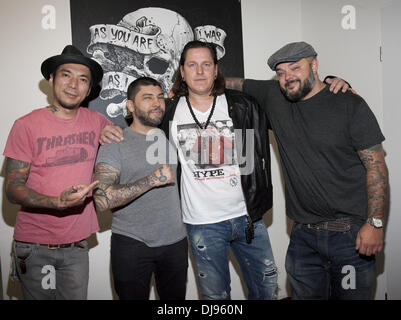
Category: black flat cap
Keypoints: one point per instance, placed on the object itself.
(291, 52)
(71, 54)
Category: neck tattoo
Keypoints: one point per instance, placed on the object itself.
(52, 109)
(196, 119)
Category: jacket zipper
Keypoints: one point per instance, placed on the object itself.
(264, 171)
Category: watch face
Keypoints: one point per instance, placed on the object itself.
(378, 223)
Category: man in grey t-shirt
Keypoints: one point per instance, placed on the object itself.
(148, 235)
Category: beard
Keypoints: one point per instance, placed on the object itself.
(304, 88)
(146, 120)
(69, 106)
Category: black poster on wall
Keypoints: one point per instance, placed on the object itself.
(134, 38)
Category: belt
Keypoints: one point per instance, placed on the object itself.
(78, 244)
(340, 225)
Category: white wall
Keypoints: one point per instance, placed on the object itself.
(391, 120)
(262, 22)
(267, 25)
(347, 53)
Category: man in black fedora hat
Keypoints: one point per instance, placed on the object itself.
(50, 154)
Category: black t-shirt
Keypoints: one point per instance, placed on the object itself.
(318, 140)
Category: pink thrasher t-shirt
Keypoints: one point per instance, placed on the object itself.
(62, 153)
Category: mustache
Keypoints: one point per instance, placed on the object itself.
(291, 81)
(156, 109)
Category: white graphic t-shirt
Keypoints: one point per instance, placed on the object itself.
(210, 182)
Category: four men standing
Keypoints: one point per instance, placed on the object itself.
(333, 165)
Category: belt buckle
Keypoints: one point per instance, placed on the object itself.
(53, 246)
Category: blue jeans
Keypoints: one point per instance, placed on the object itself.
(59, 274)
(210, 244)
(324, 264)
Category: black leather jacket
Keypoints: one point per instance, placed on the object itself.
(245, 114)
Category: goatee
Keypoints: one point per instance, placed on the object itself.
(304, 88)
(144, 118)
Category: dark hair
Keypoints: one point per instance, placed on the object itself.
(180, 87)
(135, 85)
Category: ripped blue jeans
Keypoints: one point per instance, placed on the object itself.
(210, 246)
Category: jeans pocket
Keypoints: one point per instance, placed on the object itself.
(83, 245)
(352, 233)
(259, 225)
(195, 233)
(295, 227)
(23, 251)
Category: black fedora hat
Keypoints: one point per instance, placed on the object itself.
(71, 54)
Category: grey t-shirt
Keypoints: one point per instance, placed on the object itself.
(155, 217)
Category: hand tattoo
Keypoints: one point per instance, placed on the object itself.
(162, 177)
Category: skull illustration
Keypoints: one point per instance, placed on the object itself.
(169, 32)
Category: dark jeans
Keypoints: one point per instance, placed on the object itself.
(133, 264)
(324, 264)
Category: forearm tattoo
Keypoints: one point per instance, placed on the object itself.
(376, 180)
(234, 83)
(111, 194)
(17, 173)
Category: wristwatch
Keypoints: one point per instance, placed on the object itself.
(375, 222)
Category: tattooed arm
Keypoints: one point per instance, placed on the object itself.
(111, 194)
(336, 84)
(17, 173)
(234, 83)
(370, 239)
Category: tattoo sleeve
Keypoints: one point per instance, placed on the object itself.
(376, 180)
(111, 194)
(234, 83)
(17, 173)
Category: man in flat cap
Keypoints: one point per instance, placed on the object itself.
(335, 176)
(50, 154)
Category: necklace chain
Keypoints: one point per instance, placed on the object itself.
(196, 119)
